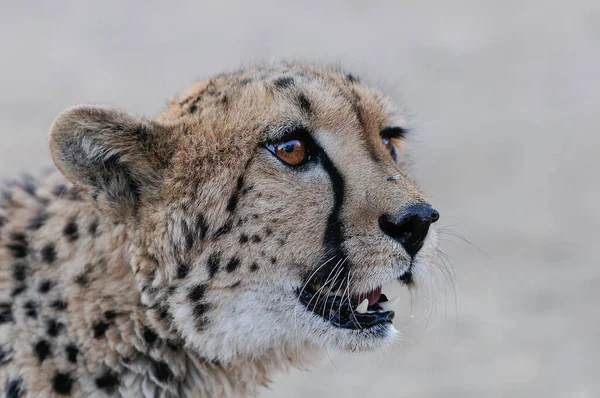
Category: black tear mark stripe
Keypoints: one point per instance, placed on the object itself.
(333, 238)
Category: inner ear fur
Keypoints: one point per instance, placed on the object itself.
(117, 158)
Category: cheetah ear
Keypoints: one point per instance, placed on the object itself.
(114, 156)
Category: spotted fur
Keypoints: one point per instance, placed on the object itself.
(165, 258)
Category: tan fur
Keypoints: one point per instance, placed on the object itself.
(191, 238)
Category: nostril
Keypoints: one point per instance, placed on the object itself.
(434, 216)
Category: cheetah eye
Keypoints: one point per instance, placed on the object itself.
(291, 151)
(388, 135)
(388, 143)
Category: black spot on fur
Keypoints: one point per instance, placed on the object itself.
(245, 81)
(232, 264)
(224, 100)
(201, 227)
(163, 312)
(268, 231)
(253, 267)
(18, 249)
(71, 350)
(93, 228)
(20, 271)
(193, 108)
(30, 309)
(4, 357)
(62, 383)
(161, 371)
(108, 382)
(273, 260)
(37, 221)
(42, 350)
(195, 232)
(223, 229)
(59, 189)
(110, 315)
(283, 82)
(48, 253)
(351, 78)
(81, 279)
(200, 310)
(213, 264)
(304, 103)
(197, 292)
(6, 313)
(99, 328)
(18, 290)
(149, 335)
(182, 270)
(237, 284)
(13, 389)
(53, 327)
(243, 238)
(233, 199)
(45, 286)
(59, 305)
(70, 231)
(256, 239)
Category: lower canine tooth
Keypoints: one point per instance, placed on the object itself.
(362, 307)
(389, 305)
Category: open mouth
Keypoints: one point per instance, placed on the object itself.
(348, 311)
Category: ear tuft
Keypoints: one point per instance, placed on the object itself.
(114, 156)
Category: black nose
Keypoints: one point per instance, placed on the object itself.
(410, 226)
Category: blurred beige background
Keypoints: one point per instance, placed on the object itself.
(505, 98)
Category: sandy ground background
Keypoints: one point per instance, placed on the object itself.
(505, 98)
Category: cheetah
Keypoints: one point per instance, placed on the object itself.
(243, 230)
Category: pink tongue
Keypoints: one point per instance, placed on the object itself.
(372, 296)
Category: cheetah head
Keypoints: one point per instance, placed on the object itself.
(264, 209)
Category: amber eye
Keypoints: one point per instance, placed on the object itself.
(292, 152)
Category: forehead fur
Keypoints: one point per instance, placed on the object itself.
(231, 113)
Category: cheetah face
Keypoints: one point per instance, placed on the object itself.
(265, 209)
